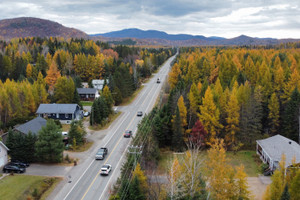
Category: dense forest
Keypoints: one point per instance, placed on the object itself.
(37, 70)
(216, 99)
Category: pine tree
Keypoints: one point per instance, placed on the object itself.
(285, 195)
(49, 146)
(177, 138)
(290, 120)
(273, 113)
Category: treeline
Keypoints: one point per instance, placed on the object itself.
(237, 94)
(59, 66)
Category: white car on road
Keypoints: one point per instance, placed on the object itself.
(105, 169)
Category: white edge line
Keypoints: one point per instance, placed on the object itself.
(93, 161)
(112, 174)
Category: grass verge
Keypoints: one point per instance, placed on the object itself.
(128, 100)
(84, 147)
(111, 118)
(26, 187)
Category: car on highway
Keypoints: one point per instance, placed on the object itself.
(158, 80)
(101, 153)
(105, 169)
(8, 168)
(127, 133)
(139, 113)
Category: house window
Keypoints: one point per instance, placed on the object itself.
(66, 115)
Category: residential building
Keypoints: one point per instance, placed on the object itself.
(88, 94)
(33, 126)
(63, 112)
(99, 83)
(271, 149)
(3, 154)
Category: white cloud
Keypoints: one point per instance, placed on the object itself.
(225, 18)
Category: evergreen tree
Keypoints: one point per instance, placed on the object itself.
(294, 187)
(77, 132)
(177, 138)
(29, 147)
(135, 192)
(285, 195)
(290, 119)
(49, 146)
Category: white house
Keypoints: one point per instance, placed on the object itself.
(3, 154)
(98, 83)
(271, 149)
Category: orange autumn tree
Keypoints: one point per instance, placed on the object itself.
(52, 75)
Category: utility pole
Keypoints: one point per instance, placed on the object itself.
(136, 150)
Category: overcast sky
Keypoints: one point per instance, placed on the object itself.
(225, 18)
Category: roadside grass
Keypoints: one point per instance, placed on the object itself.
(111, 118)
(27, 187)
(86, 103)
(128, 100)
(83, 147)
(247, 158)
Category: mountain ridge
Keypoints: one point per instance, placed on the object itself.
(36, 27)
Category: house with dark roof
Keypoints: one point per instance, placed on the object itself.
(65, 113)
(33, 126)
(3, 154)
(88, 94)
(271, 149)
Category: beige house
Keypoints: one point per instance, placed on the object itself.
(3, 154)
(271, 149)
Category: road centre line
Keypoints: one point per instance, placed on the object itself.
(94, 159)
(105, 162)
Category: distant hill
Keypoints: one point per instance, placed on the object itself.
(153, 37)
(153, 34)
(35, 27)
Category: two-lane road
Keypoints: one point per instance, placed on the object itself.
(88, 184)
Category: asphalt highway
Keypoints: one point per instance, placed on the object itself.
(87, 183)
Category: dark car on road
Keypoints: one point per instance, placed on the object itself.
(127, 133)
(105, 169)
(19, 163)
(8, 168)
(100, 155)
(139, 113)
(158, 80)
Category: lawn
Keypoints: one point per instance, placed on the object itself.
(86, 103)
(248, 158)
(25, 186)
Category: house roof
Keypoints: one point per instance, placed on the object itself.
(98, 81)
(86, 90)
(277, 145)
(2, 144)
(34, 126)
(56, 108)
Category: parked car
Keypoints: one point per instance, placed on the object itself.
(86, 114)
(127, 133)
(8, 168)
(139, 113)
(105, 169)
(19, 163)
(158, 80)
(100, 155)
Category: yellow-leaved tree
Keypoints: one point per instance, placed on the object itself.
(209, 115)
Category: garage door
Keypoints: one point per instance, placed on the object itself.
(1, 161)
